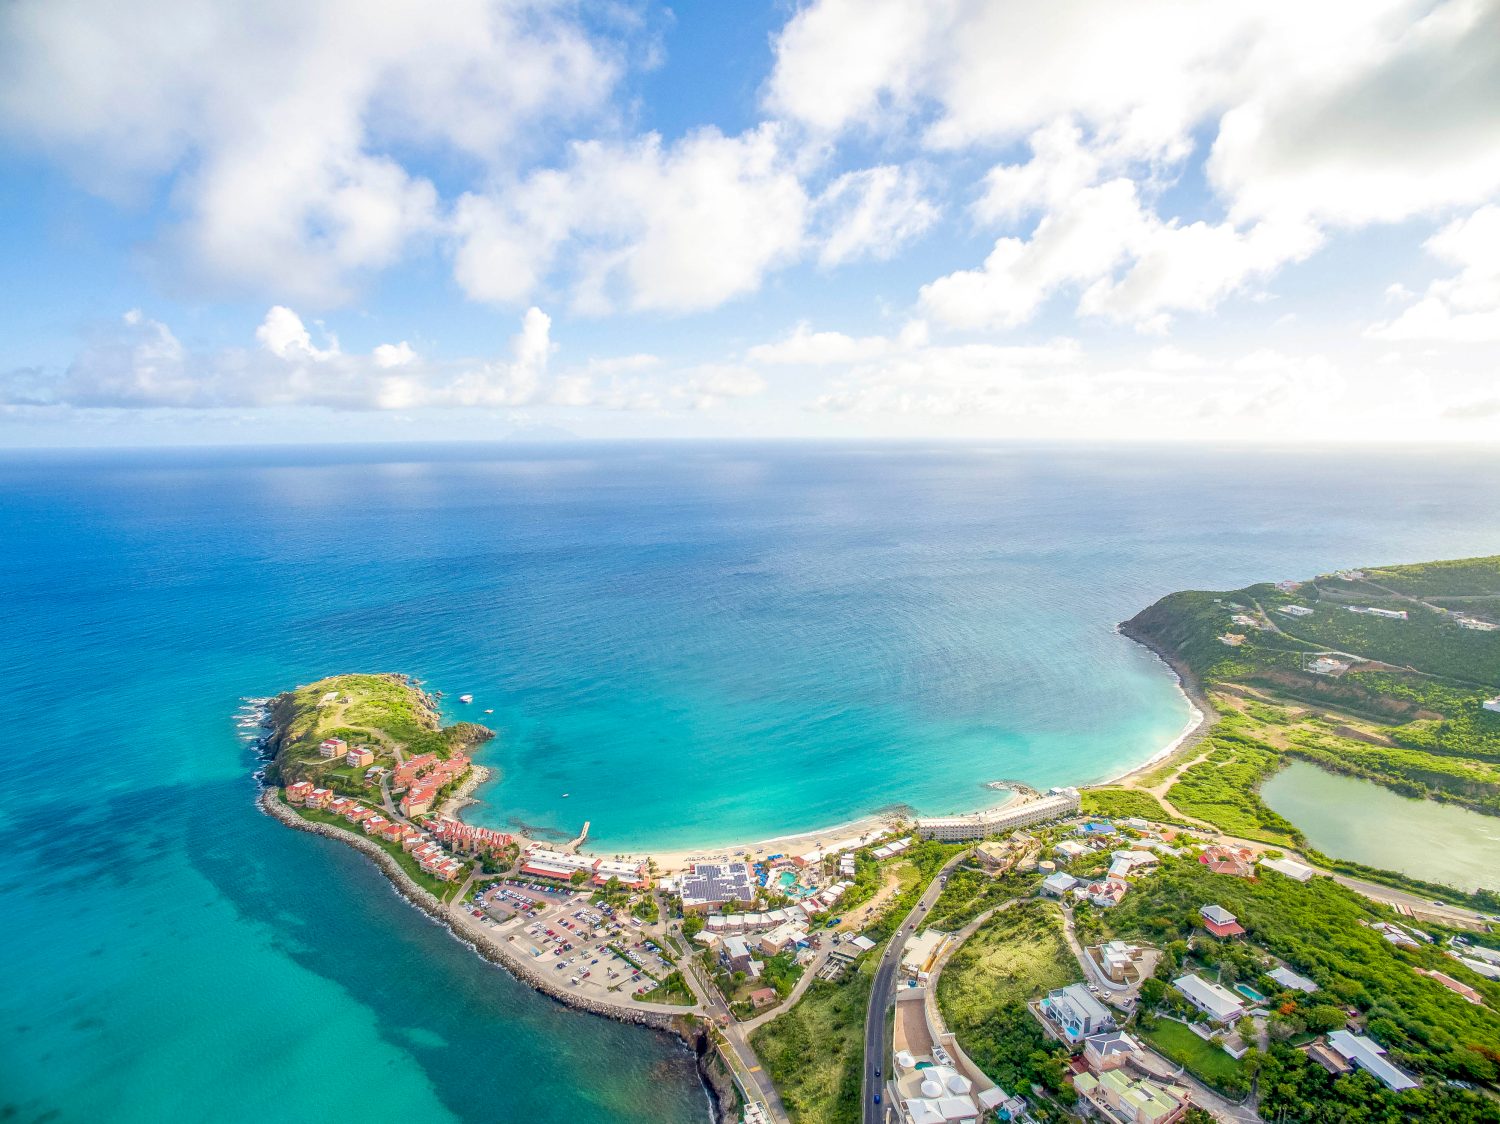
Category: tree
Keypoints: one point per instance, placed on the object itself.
(1322, 1018)
(1153, 991)
(578, 877)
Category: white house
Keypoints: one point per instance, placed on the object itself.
(1218, 1003)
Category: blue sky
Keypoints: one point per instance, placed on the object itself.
(261, 221)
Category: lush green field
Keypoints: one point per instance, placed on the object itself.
(1124, 803)
(673, 989)
(383, 712)
(815, 1052)
(1018, 955)
(1221, 788)
(1204, 1060)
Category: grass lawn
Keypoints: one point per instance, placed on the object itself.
(1205, 1061)
(673, 989)
(1018, 954)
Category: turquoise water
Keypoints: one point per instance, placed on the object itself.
(696, 643)
(1350, 818)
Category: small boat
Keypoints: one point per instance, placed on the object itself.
(465, 698)
(566, 795)
(490, 711)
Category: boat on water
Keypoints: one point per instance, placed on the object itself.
(490, 711)
(566, 795)
(465, 698)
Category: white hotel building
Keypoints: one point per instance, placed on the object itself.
(1058, 803)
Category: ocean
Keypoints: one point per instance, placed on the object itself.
(680, 643)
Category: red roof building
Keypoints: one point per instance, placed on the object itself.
(1220, 922)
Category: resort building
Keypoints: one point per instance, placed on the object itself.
(560, 866)
(330, 748)
(936, 1094)
(1219, 1003)
(891, 850)
(783, 938)
(468, 839)
(1388, 614)
(1220, 922)
(1328, 665)
(736, 954)
(1493, 704)
(1475, 624)
(1076, 1013)
(1238, 861)
(1232, 639)
(708, 886)
(631, 875)
(358, 756)
(299, 792)
(1295, 610)
(1121, 962)
(762, 997)
(1070, 849)
(1110, 892)
(1290, 979)
(1057, 804)
(1368, 1055)
(1123, 1100)
(1289, 868)
(1104, 1052)
(320, 798)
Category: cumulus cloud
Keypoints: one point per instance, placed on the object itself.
(644, 224)
(279, 123)
(1336, 115)
(872, 214)
(139, 363)
(1129, 263)
(1464, 308)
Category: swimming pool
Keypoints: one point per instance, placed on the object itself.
(1250, 993)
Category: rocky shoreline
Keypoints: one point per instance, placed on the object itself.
(686, 1027)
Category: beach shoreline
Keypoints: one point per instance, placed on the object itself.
(1201, 718)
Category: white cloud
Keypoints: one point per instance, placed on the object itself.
(1464, 308)
(647, 225)
(872, 213)
(139, 363)
(278, 122)
(1135, 266)
(389, 355)
(1332, 115)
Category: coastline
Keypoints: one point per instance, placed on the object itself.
(683, 1022)
(1202, 716)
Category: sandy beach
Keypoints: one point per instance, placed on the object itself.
(1201, 717)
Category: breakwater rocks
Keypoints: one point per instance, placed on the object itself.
(689, 1028)
(482, 943)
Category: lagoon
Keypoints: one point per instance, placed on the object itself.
(1349, 818)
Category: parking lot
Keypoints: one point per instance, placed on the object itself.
(566, 934)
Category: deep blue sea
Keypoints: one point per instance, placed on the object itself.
(695, 643)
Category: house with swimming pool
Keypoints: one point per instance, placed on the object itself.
(1219, 1003)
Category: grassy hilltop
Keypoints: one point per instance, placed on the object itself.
(1395, 701)
(388, 713)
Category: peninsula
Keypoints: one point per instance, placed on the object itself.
(1158, 949)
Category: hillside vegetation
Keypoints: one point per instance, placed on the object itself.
(387, 713)
(1402, 705)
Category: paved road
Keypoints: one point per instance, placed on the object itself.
(742, 1058)
(881, 996)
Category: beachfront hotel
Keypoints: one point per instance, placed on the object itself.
(707, 886)
(1058, 803)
